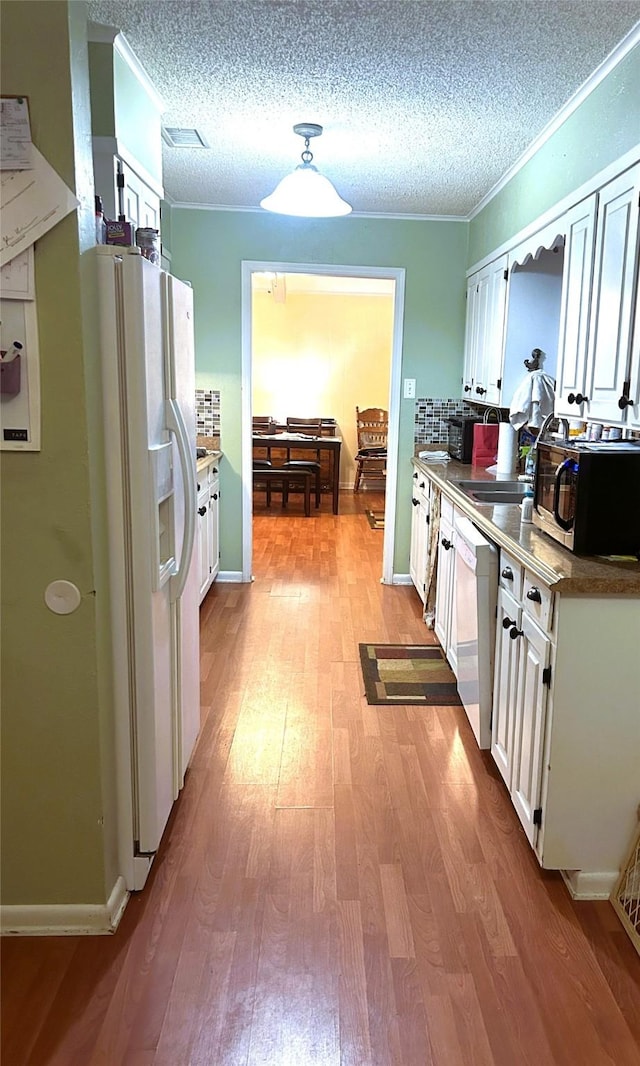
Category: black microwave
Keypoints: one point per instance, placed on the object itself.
(460, 432)
(587, 496)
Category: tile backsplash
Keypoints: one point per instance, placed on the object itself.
(207, 413)
(431, 419)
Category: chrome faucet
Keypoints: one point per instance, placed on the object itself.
(532, 457)
(543, 428)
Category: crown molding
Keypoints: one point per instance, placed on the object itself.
(389, 215)
(626, 45)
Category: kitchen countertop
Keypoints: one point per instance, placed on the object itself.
(210, 457)
(557, 567)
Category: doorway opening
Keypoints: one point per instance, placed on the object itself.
(305, 371)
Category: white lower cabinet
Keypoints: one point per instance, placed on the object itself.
(208, 527)
(445, 620)
(520, 689)
(505, 681)
(214, 528)
(419, 550)
(565, 733)
(529, 725)
(202, 539)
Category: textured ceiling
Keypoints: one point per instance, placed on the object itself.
(424, 105)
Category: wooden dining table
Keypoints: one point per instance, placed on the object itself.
(301, 442)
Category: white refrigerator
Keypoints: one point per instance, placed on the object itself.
(148, 400)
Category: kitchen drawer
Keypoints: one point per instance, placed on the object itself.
(537, 601)
(510, 575)
(420, 486)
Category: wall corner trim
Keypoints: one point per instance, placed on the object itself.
(231, 577)
(73, 919)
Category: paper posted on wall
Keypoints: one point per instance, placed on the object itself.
(33, 202)
(15, 134)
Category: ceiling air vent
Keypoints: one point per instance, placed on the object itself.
(176, 137)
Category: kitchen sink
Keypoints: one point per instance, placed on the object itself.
(491, 486)
(497, 497)
(493, 491)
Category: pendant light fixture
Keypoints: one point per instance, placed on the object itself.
(306, 192)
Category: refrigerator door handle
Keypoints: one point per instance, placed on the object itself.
(176, 424)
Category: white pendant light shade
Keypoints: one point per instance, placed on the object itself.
(306, 193)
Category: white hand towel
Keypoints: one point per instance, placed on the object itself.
(532, 400)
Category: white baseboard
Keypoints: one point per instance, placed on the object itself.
(61, 919)
(230, 576)
(401, 579)
(590, 885)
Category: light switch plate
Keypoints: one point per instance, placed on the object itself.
(409, 388)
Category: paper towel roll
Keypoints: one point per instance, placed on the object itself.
(507, 449)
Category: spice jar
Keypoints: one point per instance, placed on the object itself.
(148, 241)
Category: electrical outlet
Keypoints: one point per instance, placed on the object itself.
(409, 388)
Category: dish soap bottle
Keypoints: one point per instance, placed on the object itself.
(526, 507)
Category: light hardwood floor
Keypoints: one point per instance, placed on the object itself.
(338, 883)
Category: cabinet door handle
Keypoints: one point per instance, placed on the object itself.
(198, 484)
(507, 573)
(202, 511)
(534, 594)
(514, 632)
(467, 388)
(422, 485)
(507, 622)
(577, 397)
(215, 495)
(446, 544)
(416, 475)
(415, 502)
(480, 391)
(625, 401)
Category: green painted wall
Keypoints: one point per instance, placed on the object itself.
(137, 119)
(121, 107)
(601, 130)
(208, 248)
(103, 119)
(55, 707)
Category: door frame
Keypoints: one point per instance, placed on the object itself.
(396, 274)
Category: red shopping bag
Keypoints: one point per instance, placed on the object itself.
(485, 444)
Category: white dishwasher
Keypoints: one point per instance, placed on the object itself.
(476, 590)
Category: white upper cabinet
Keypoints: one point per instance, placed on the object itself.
(141, 203)
(615, 277)
(579, 225)
(470, 337)
(484, 339)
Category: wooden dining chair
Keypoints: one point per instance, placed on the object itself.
(372, 426)
(308, 427)
(263, 424)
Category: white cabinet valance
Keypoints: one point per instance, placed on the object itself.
(551, 238)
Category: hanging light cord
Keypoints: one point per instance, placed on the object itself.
(306, 156)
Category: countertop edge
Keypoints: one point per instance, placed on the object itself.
(207, 460)
(591, 582)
